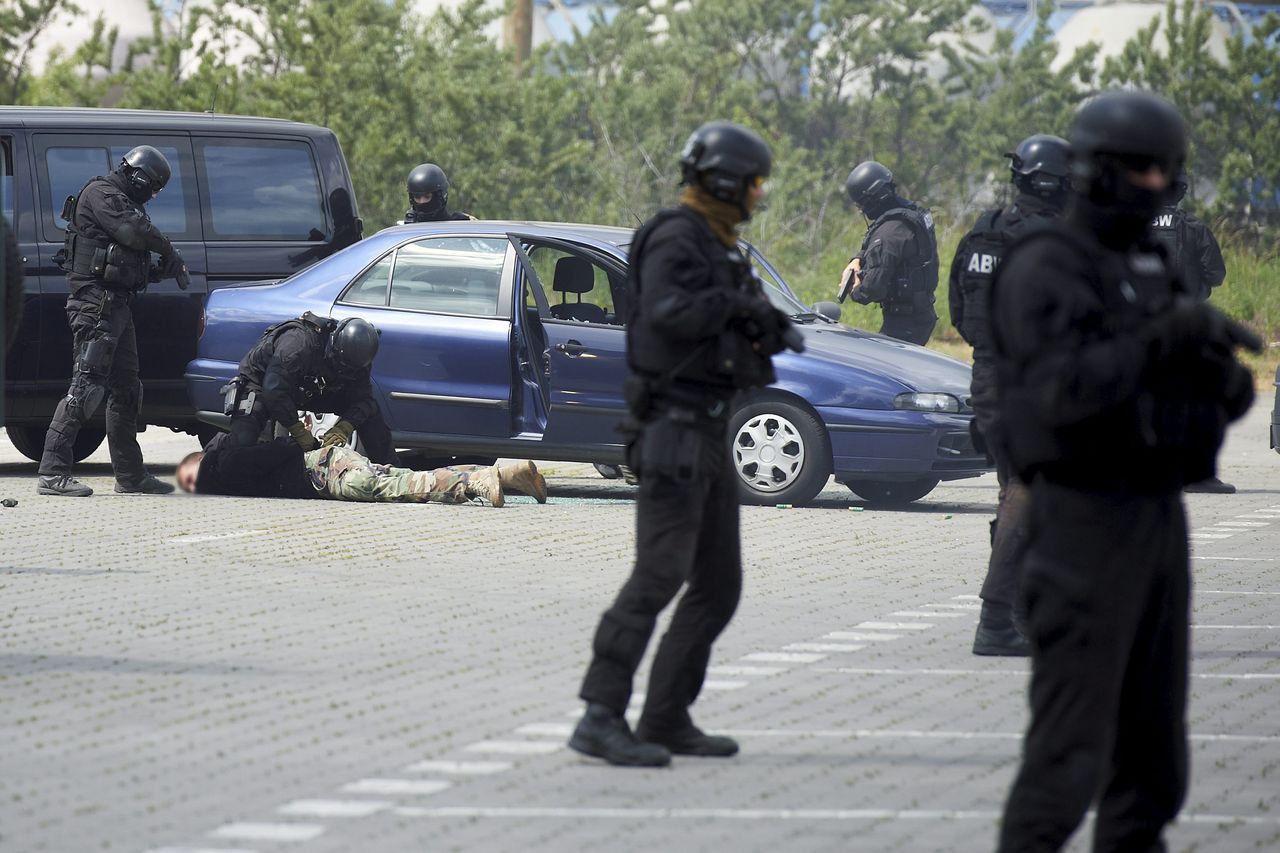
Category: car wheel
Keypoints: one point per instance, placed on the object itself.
(890, 493)
(609, 472)
(29, 440)
(780, 452)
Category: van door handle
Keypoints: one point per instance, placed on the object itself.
(571, 348)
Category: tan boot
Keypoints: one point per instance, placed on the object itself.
(523, 477)
(486, 483)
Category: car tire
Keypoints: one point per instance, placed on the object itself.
(798, 462)
(29, 440)
(889, 493)
(609, 472)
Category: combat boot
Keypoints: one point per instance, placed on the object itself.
(1211, 486)
(998, 634)
(689, 741)
(604, 733)
(523, 477)
(64, 485)
(486, 483)
(148, 485)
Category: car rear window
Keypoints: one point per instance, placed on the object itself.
(262, 190)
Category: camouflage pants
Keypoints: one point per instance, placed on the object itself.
(342, 474)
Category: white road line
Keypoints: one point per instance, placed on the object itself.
(1208, 676)
(397, 787)
(1239, 627)
(945, 734)
(211, 537)
(1242, 524)
(783, 657)
(1270, 515)
(861, 636)
(966, 598)
(894, 626)
(955, 606)
(546, 729)
(1236, 559)
(464, 768)
(1199, 535)
(745, 670)
(825, 647)
(200, 850)
(334, 808)
(516, 747)
(1232, 592)
(581, 812)
(268, 831)
(925, 614)
(714, 684)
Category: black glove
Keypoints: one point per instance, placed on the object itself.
(172, 266)
(1190, 325)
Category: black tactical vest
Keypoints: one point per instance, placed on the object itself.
(916, 287)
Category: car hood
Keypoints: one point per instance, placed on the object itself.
(918, 368)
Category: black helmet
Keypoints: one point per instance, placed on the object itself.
(1133, 129)
(869, 184)
(724, 158)
(146, 169)
(352, 346)
(1041, 165)
(429, 178)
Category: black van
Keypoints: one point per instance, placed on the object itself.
(250, 200)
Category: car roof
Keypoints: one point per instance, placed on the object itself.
(602, 234)
(79, 118)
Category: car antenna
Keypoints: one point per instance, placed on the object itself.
(213, 101)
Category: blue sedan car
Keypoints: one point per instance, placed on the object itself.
(506, 339)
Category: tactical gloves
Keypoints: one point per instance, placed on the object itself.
(172, 266)
(1191, 325)
(303, 436)
(339, 435)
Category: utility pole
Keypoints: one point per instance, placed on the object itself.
(519, 31)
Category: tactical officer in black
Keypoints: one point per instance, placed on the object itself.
(1195, 252)
(1116, 386)
(313, 364)
(429, 196)
(897, 265)
(700, 330)
(1040, 173)
(109, 243)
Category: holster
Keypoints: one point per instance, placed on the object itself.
(670, 447)
(238, 398)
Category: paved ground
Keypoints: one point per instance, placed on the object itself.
(190, 674)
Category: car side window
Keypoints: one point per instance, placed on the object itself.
(70, 168)
(370, 288)
(580, 289)
(261, 190)
(449, 275)
(6, 177)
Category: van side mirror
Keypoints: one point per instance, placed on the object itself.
(830, 310)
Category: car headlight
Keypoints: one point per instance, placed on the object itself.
(915, 401)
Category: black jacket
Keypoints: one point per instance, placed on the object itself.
(104, 211)
(1096, 392)
(288, 364)
(899, 260)
(1193, 249)
(442, 215)
(272, 469)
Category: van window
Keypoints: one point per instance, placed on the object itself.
(71, 167)
(449, 275)
(262, 190)
(6, 178)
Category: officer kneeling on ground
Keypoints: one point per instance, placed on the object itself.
(1115, 389)
(700, 330)
(316, 364)
(897, 265)
(108, 250)
(1040, 171)
(429, 196)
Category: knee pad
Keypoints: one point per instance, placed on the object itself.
(85, 396)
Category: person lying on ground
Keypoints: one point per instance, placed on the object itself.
(280, 469)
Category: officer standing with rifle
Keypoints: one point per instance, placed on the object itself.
(700, 330)
(1040, 172)
(897, 265)
(1196, 254)
(108, 250)
(429, 196)
(1115, 388)
(315, 364)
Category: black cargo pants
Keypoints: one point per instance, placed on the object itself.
(1107, 596)
(911, 326)
(105, 353)
(1013, 500)
(686, 534)
(374, 434)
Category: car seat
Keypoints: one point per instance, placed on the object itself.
(575, 275)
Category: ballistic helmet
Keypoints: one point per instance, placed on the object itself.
(352, 346)
(429, 178)
(869, 184)
(146, 170)
(1041, 165)
(725, 159)
(1130, 130)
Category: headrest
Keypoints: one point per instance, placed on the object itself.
(574, 275)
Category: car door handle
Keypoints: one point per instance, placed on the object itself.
(571, 348)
